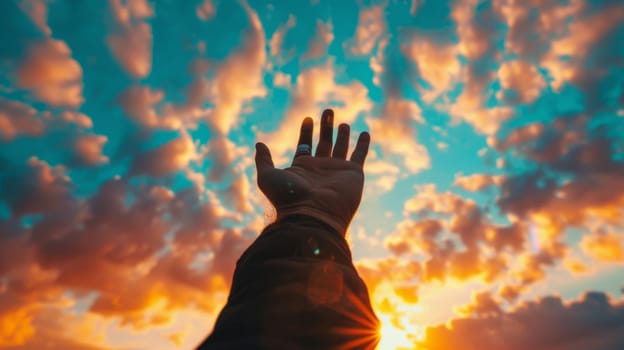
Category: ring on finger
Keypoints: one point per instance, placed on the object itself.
(303, 149)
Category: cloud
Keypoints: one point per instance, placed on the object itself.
(607, 247)
(532, 25)
(415, 5)
(131, 38)
(477, 182)
(277, 39)
(17, 118)
(172, 156)
(470, 105)
(393, 130)
(51, 74)
(438, 65)
(205, 10)
(282, 80)
(454, 237)
(224, 155)
(240, 78)
(88, 149)
(370, 28)
(474, 29)
(592, 322)
(382, 175)
(39, 189)
(376, 62)
(521, 81)
(577, 57)
(77, 118)
(147, 107)
(320, 42)
(37, 11)
(113, 244)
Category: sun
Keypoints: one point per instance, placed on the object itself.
(392, 337)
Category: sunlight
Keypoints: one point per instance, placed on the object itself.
(392, 337)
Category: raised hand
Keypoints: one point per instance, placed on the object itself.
(326, 186)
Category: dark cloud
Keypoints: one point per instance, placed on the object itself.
(593, 322)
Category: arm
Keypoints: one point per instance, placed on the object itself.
(296, 287)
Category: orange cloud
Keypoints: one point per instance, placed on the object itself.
(88, 149)
(17, 118)
(607, 247)
(51, 74)
(37, 11)
(240, 78)
(566, 57)
(205, 10)
(131, 39)
(172, 156)
(370, 28)
(522, 80)
(438, 65)
(395, 132)
(320, 42)
(477, 182)
(277, 39)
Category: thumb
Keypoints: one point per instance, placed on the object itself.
(263, 157)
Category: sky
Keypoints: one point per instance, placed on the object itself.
(493, 209)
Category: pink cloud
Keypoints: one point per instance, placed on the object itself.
(51, 74)
(131, 39)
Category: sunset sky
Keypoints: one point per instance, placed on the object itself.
(493, 210)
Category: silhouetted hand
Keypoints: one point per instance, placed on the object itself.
(326, 185)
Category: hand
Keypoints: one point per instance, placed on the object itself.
(325, 186)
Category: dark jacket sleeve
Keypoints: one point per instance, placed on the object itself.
(296, 287)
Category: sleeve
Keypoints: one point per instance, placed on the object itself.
(296, 287)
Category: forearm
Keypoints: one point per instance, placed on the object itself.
(296, 285)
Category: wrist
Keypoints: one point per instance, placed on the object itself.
(338, 224)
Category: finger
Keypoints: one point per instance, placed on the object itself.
(305, 138)
(361, 148)
(342, 142)
(327, 130)
(263, 157)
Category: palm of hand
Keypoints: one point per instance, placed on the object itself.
(329, 188)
